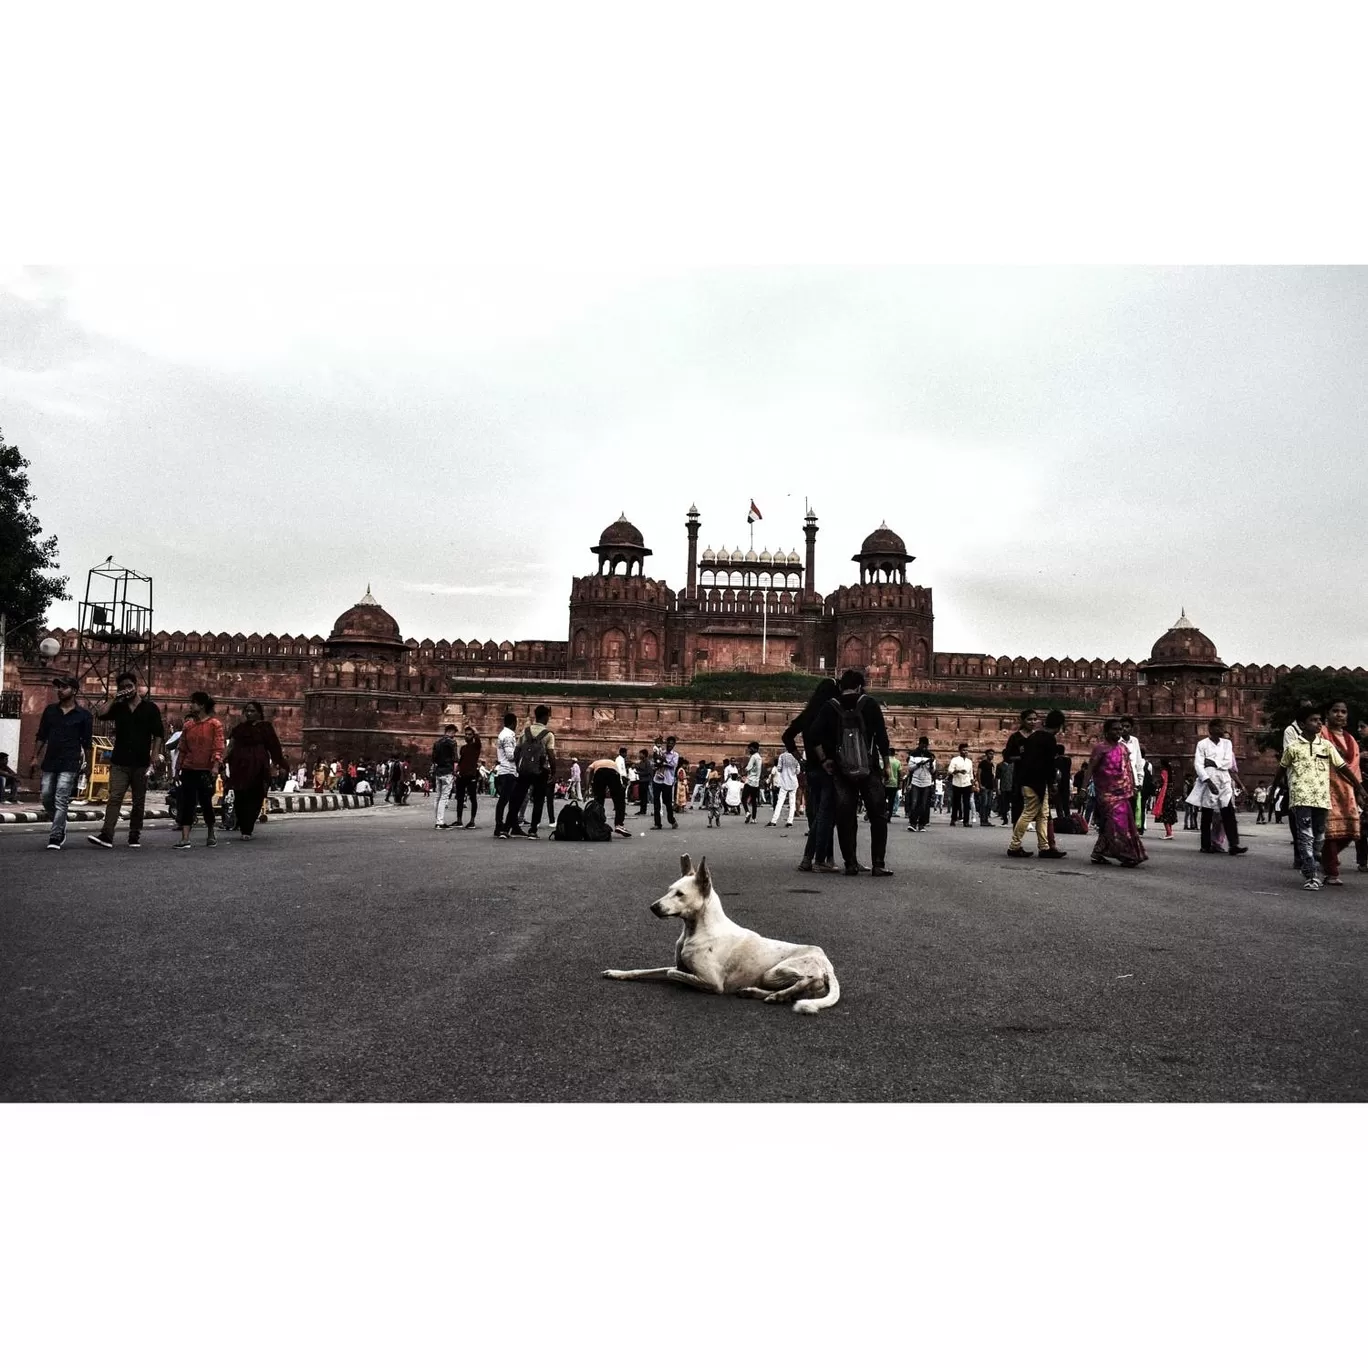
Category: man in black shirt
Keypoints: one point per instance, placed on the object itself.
(986, 796)
(64, 735)
(1035, 770)
(850, 787)
(1011, 753)
(821, 800)
(443, 773)
(138, 734)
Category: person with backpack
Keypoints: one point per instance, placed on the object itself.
(535, 762)
(850, 739)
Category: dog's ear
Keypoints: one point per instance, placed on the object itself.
(703, 878)
(685, 865)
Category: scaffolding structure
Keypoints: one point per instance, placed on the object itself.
(115, 628)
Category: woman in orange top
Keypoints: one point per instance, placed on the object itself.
(201, 753)
(1342, 825)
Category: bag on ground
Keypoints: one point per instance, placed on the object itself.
(595, 822)
(569, 824)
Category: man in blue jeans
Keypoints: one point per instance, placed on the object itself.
(64, 736)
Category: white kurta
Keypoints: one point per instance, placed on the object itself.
(1214, 787)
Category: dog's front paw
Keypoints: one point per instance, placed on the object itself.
(614, 973)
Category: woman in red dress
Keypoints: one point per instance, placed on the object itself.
(253, 747)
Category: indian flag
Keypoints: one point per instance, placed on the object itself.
(754, 514)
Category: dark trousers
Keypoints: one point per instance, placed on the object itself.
(666, 792)
(821, 817)
(959, 804)
(984, 801)
(196, 791)
(1232, 827)
(504, 784)
(121, 779)
(919, 806)
(750, 799)
(848, 795)
(535, 784)
(467, 785)
(247, 803)
(605, 784)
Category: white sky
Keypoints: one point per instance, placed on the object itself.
(1072, 453)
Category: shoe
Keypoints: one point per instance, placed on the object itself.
(1312, 885)
(881, 872)
(470, 826)
(1238, 850)
(181, 845)
(852, 869)
(1100, 859)
(1166, 838)
(658, 827)
(825, 867)
(532, 836)
(623, 832)
(1053, 854)
(1020, 853)
(135, 845)
(212, 841)
(1334, 883)
(101, 840)
(501, 835)
(805, 866)
(914, 828)
(770, 824)
(54, 845)
(439, 826)
(1363, 869)
(674, 826)
(788, 824)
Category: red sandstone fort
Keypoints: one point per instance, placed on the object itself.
(365, 691)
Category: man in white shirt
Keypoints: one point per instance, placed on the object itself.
(733, 791)
(505, 776)
(920, 770)
(750, 799)
(786, 786)
(1137, 764)
(1214, 790)
(961, 772)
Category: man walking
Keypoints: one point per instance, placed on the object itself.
(986, 796)
(893, 785)
(505, 775)
(468, 776)
(138, 734)
(921, 783)
(1307, 762)
(961, 773)
(1214, 761)
(786, 786)
(1011, 753)
(443, 772)
(1036, 769)
(64, 736)
(851, 741)
(201, 755)
(574, 791)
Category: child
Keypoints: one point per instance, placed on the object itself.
(712, 799)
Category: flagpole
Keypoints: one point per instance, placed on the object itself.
(764, 627)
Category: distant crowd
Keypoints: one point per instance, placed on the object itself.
(835, 765)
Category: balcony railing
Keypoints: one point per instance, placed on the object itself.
(9, 703)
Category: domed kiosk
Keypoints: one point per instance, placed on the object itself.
(883, 557)
(621, 543)
(365, 631)
(1183, 652)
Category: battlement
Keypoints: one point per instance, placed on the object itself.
(621, 589)
(880, 596)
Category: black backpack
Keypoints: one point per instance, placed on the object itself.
(595, 823)
(533, 761)
(852, 756)
(569, 823)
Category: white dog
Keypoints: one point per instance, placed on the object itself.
(718, 956)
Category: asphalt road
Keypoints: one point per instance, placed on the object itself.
(363, 956)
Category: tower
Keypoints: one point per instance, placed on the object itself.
(810, 534)
(691, 526)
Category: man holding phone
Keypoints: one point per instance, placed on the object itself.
(138, 734)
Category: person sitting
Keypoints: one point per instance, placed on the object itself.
(9, 780)
(732, 794)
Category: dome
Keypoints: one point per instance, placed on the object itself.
(707, 553)
(621, 533)
(1183, 644)
(751, 556)
(793, 558)
(883, 541)
(367, 623)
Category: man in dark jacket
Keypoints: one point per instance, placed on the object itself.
(826, 735)
(821, 798)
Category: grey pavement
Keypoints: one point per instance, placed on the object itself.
(363, 956)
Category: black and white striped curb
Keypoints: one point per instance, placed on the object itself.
(280, 802)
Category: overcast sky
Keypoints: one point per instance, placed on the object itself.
(1071, 454)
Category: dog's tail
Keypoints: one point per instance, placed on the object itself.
(833, 996)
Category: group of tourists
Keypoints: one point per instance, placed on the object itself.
(835, 763)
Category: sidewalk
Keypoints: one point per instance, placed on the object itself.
(27, 812)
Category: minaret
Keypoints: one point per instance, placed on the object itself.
(810, 532)
(692, 525)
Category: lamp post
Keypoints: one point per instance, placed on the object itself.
(42, 645)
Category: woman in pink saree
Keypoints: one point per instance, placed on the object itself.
(1114, 785)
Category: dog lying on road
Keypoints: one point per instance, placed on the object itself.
(718, 956)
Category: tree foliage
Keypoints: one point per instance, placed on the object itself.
(25, 591)
(1321, 687)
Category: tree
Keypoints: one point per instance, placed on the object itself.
(1321, 687)
(25, 591)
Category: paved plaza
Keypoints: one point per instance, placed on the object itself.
(363, 956)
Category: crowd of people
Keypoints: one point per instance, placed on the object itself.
(835, 765)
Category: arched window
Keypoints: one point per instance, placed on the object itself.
(613, 645)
